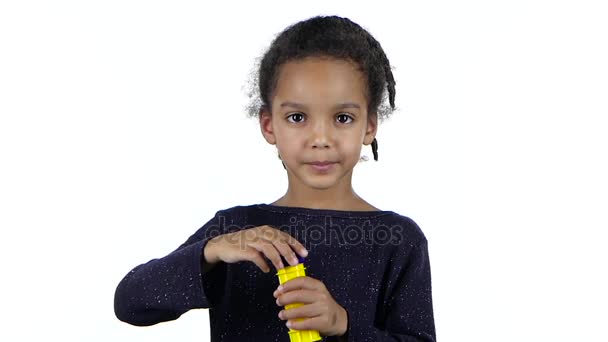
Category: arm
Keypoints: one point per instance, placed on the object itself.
(407, 314)
(165, 288)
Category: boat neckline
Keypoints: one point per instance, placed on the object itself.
(323, 211)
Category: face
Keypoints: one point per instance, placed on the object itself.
(319, 114)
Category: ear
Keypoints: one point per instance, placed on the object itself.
(372, 128)
(266, 125)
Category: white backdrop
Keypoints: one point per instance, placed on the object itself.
(122, 131)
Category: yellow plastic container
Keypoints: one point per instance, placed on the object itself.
(288, 273)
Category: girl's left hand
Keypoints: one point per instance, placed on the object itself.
(322, 311)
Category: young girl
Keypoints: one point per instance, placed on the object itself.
(321, 86)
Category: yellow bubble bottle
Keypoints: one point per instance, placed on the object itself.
(288, 273)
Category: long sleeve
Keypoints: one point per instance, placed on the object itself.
(163, 289)
(407, 310)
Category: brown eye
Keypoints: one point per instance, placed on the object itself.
(344, 118)
(297, 117)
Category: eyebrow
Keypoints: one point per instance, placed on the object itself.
(338, 106)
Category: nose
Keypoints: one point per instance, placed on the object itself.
(320, 135)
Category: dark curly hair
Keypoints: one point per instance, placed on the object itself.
(325, 36)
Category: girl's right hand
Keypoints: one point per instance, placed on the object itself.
(250, 244)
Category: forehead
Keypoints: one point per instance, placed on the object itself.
(320, 80)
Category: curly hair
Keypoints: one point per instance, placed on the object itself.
(325, 37)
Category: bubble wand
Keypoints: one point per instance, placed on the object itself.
(288, 273)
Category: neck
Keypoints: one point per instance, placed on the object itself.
(341, 196)
(318, 199)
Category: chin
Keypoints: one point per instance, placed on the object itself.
(320, 182)
(317, 182)
(320, 185)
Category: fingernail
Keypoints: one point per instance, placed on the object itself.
(280, 288)
(288, 324)
(278, 302)
(305, 252)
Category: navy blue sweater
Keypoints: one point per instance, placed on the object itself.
(375, 264)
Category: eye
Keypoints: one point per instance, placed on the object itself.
(345, 118)
(297, 117)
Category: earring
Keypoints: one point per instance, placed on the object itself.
(375, 149)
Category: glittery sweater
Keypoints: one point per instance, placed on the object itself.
(375, 264)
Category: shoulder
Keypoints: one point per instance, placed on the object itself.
(235, 217)
(232, 211)
(403, 229)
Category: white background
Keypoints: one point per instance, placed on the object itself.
(122, 131)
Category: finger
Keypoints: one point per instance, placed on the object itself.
(304, 311)
(305, 282)
(254, 255)
(300, 296)
(286, 251)
(294, 244)
(269, 250)
(313, 323)
(284, 242)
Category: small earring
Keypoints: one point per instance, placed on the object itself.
(375, 149)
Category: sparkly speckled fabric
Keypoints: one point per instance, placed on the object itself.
(374, 263)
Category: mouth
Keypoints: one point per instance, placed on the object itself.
(322, 163)
(322, 166)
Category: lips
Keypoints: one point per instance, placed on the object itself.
(322, 166)
(322, 163)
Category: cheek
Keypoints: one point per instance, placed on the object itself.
(352, 140)
(287, 146)
(352, 151)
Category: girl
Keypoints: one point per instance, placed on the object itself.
(321, 90)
